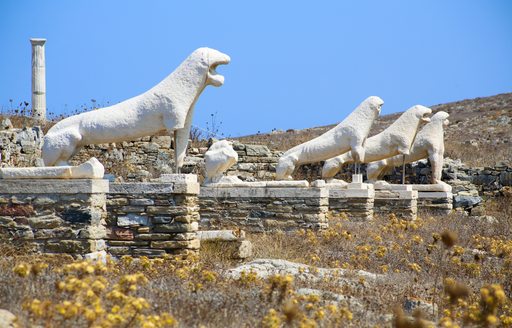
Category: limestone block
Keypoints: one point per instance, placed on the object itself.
(141, 188)
(119, 233)
(153, 236)
(191, 244)
(142, 202)
(176, 227)
(298, 193)
(132, 219)
(45, 222)
(226, 235)
(234, 249)
(92, 169)
(54, 186)
(257, 151)
(178, 178)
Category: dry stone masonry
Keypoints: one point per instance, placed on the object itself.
(401, 200)
(54, 216)
(19, 147)
(155, 218)
(258, 209)
(357, 204)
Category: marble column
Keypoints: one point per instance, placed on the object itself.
(38, 79)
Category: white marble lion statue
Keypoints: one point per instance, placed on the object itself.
(396, 139)
(347, 135)
(429, 143)
(167, 107)
(217, 160)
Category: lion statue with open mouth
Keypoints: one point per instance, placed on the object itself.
(167, 107)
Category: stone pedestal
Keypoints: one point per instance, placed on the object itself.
(355, 200)
(154, 219)
(400, 200)
(435, 202)
(264, 208)
(434, 198)
(38, 79)
(54, 216)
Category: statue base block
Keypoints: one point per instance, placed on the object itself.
(356, 201)
(396, 199)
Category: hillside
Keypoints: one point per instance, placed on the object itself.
(480, 130)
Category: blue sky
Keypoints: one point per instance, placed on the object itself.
(295, 64)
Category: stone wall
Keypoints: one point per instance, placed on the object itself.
(258, 209)
(153, 219)
(20, 147)
(54, 216)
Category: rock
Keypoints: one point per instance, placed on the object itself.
(478, 211)
(7, 319)
(265, 268)
(6, 124)
(99, 256)
(506, 178)
(466, 201)
(411, 304)
(257, 150)
(484, 179)
(485, 219)
(132, 220)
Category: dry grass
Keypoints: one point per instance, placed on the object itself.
(415, 258)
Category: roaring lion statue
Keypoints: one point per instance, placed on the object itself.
(429, 143)
(396, 139)
(167, 107)
(347, 135)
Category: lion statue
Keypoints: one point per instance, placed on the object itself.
(167, 107)
(347, 135)
(217, 160)
(396, 139)
(429, 143)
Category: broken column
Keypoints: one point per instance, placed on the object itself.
(38, 79)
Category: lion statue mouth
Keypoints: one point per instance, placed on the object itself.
(215, 78)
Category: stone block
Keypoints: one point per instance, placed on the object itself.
(506, 178)
(257, 151)
(51, 186)
(189, 244)
(119, 233)
(128, 243)
(148, 252)
(153, 236)
(45, 222)
(142, 202)
(117, 201)
(176, 227)
(169, 210)
(132, 219)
